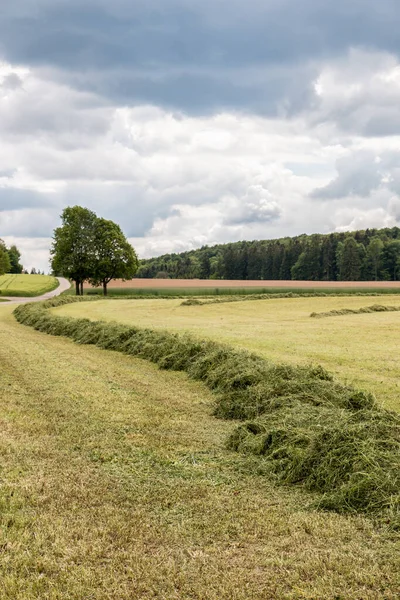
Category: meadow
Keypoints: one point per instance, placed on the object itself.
(117, 481)
(361, 349)
(26, 285)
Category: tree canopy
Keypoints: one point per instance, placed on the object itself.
(5, 264)
(73, 245)
(14, 256)
(88, 248)
(9, 259)
(114, 256)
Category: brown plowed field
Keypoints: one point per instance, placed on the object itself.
(224, 283)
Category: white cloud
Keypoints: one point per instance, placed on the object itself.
(34, 251)
(350, 219)
(359, 93)
(257, 205)
(176, 182)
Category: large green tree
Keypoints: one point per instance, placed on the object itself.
(114, 256)
(73, 248)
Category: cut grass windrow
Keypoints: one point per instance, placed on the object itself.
(276, 296)
(355, 311)
(304, 427)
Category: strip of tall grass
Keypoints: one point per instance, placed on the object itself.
(355, 311)
(302, 426)
(240, 293)
(26, 293)
(28, 286)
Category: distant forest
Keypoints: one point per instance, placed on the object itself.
(370, 255)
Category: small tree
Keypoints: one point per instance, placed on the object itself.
(114, 256)
(308, 265)
(14, 255)
(5, 265)
(350, 256)
(374, 258)
(391, 255)
(73, 249)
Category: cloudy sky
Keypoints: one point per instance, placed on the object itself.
(193, 122)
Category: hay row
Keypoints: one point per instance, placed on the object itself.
(355, 311)
(277, 296)
(304, 427)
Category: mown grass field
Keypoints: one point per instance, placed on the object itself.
(116, 484)
(26, 285)
(362, 349)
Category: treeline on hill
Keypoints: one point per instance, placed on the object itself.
(9, 259)
(368, 255)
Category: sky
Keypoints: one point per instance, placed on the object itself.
(194, 122)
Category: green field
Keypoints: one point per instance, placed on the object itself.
(229, 292)
(362, 349)
(116, 482)
(27, 285)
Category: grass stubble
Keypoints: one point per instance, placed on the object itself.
(116, 484)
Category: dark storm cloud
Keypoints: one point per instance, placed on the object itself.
(173, 52)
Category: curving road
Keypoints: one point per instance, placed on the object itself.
(64, 284)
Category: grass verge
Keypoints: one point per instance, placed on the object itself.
(305, 427)
(27, 286)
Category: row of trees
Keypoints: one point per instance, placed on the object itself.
(365, 255)
(89, 248)
(9, 259)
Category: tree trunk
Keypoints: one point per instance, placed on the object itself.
(104, 288)
(77, 288)
(81, 288)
